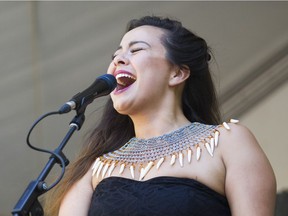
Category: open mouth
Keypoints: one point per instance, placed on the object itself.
(124, 81)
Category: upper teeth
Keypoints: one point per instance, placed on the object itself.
(125, 75)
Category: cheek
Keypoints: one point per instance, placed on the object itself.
(158, 69)
(111, 68)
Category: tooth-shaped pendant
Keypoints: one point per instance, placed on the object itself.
(96, 161)
(235, 121)
(226, 125)
(141, 173)
(198, 152)
(181, 159)
(216, 138)
(122, 168)
(160, 163)
(111, 168)
(99, 169)
(208, 149)
(96, 166)
(146, 170)
(189, 154)
(212, 145)
(173, 159)
(132, 171)
(105, 169)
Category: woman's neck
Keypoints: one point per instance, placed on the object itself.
(157, 124)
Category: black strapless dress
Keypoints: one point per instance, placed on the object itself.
(160, 196)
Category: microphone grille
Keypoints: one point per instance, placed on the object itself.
(110, 80)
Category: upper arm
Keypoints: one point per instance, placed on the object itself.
(250, 183)
(78, 198)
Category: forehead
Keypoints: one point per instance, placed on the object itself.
(147, 33)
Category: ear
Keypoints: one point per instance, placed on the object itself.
(179, 75)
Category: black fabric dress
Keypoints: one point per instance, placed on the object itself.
(160, 196)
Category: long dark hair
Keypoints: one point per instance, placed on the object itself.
(199, 103)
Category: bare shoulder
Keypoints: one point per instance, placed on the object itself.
(77, 199)
(250, 183)
(235, 136)
(238, 145)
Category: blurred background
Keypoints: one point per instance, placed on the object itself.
(49, 51)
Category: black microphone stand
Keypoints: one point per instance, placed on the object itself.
(28, 204)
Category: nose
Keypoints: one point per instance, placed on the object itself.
(120, 59)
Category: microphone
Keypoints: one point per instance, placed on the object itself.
(102, 86)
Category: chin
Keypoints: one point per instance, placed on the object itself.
(121, 109)
(123, 105)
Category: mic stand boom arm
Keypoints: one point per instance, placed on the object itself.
(28, 204)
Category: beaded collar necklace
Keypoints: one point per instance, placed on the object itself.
(149, 152)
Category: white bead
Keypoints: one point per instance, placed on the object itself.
(226, 125)
(181, 159)
(105, 170)
(121, 168)
(159, 163)
(212, 145)
(146, 170)
(216, 138)
(111, 168)
(96, 161)
(96, 165)
(189, 153)
(141, 173)
(99, 169)
(173, 159)
(132, 171)
(209, 149)
(198, 152)
(235, 121)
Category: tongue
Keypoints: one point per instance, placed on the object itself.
(124, 82)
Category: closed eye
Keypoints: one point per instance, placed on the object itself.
(136, 50)
(113, 56)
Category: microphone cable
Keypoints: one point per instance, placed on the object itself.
(53, 154)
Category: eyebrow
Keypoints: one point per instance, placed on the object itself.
(134, 42)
